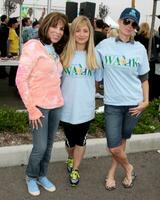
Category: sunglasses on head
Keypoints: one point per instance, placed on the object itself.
(128, 21)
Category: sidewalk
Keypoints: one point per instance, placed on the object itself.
(91, 187)
(143, 156)
(18, 155)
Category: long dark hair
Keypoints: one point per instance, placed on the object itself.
(51, 20)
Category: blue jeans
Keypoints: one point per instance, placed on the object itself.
(43, 138)
(119, 124)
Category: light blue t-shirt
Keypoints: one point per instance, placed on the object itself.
(78, 90)
(122, 64)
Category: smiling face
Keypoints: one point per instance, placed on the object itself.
(82, 34)
(56, 33)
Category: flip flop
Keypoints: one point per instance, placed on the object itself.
(132, 182)
(110, 188)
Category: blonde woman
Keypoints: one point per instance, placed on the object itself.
(126, 92)
(143, 34)
(113, 32)
(78, 89)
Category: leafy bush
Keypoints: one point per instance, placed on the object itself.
(97, 125)
(150, 120)
(12, 121)
(17, 122)
(148, 123)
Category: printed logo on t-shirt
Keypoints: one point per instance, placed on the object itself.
(78, 70)
(122, 61)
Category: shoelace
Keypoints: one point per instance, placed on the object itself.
(75, 174)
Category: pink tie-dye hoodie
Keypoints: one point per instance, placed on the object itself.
(38, 79)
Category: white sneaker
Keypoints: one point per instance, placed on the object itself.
(100, 109)
(99, 96)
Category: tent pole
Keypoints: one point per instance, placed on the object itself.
(20, 29)
(133, 4)
(48, 6)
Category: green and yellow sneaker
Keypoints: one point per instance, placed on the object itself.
(74, 177)
(69, 163)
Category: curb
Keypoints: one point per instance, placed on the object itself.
(18, 155)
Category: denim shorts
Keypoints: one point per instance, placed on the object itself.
(119, 124)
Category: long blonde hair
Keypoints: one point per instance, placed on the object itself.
(113, 32)
(70, 48)
(144, 30)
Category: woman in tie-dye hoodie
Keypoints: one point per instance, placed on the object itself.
(38, 81)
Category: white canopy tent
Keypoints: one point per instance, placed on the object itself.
(108, 20)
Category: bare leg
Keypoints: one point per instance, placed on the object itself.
(78, 155)
(69, 161)
(112, 170)
(70, 151)
(120, 156)
(110, 181)
(97, 86)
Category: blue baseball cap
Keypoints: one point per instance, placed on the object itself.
(130, 13)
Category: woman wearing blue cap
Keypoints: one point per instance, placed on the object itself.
(125, 74)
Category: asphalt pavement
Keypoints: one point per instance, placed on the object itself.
(9, 95)
(92, 171)
(91, 187)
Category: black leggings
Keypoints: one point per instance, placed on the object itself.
(75, 133)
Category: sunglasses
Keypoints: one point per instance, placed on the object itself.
(127, 22)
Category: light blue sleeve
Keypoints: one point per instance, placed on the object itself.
(99, 71)
(144, 66)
